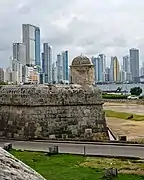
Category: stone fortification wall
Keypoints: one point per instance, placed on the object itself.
(41, 95)
(51, 112)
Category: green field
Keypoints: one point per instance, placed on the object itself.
(72, 167)
(123, 115)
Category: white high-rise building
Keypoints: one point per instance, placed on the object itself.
(123, 76)
(16, 70)
(54, 73)
(142, 70)
(29, 39)
(7, 75)
(59, 66)
(102, 67)
(99, 67)
(126, 64)
(19, 52)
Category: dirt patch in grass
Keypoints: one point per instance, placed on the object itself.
(134, 130)
(123, 166)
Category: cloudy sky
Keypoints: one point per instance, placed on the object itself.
(81, 26)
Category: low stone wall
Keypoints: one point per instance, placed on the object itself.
(13, 169)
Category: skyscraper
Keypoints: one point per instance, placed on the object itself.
(96, 71)
(31, 38)
(134, 64)
(54, 73)
(16, 69)
(47, 62)
(114, 70)
(19, 52)
(43, 63)
(99, 67)
(37, 47)
(59, 66)
(142, 70)
(126, 64)
(102, 67)
(107, 74)
(65, 65)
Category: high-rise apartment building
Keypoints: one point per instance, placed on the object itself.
(134, 64)
(59, 66)
(65, 66)
(142, 70)
(99, 67)
(47, 62)
(43, 63)
(16, 69)
(19, 52)
(126, 63)
(31, 38)
(123, 76)
(54, 73)
(107, 74)
(114, 70)
(37, 47)
(96, 70)
(102, 67)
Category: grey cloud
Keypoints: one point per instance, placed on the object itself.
(23, 9)
(5, 47)
(82, 26)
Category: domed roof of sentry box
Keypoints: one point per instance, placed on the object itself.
(81, 60)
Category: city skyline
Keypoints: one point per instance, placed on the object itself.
(37, 60)
(29, 64)
(31, 44)
(89, 27)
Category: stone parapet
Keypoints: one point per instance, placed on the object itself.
(39, 95)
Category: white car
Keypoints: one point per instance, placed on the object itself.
(133, 97)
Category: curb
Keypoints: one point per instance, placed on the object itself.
(87, 155)
(74, 142)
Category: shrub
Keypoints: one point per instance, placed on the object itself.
(114, 96)
(136, 91)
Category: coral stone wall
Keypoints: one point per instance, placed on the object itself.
(83, 75)
(48, 112)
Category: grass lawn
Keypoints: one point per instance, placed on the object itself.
(123, 115)
(72, 167)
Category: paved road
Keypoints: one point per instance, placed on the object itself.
(129, 108)
(130, 151)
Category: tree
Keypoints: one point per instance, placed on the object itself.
(61, 82)
(3, 83)
(119, 89)
(136, 91)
